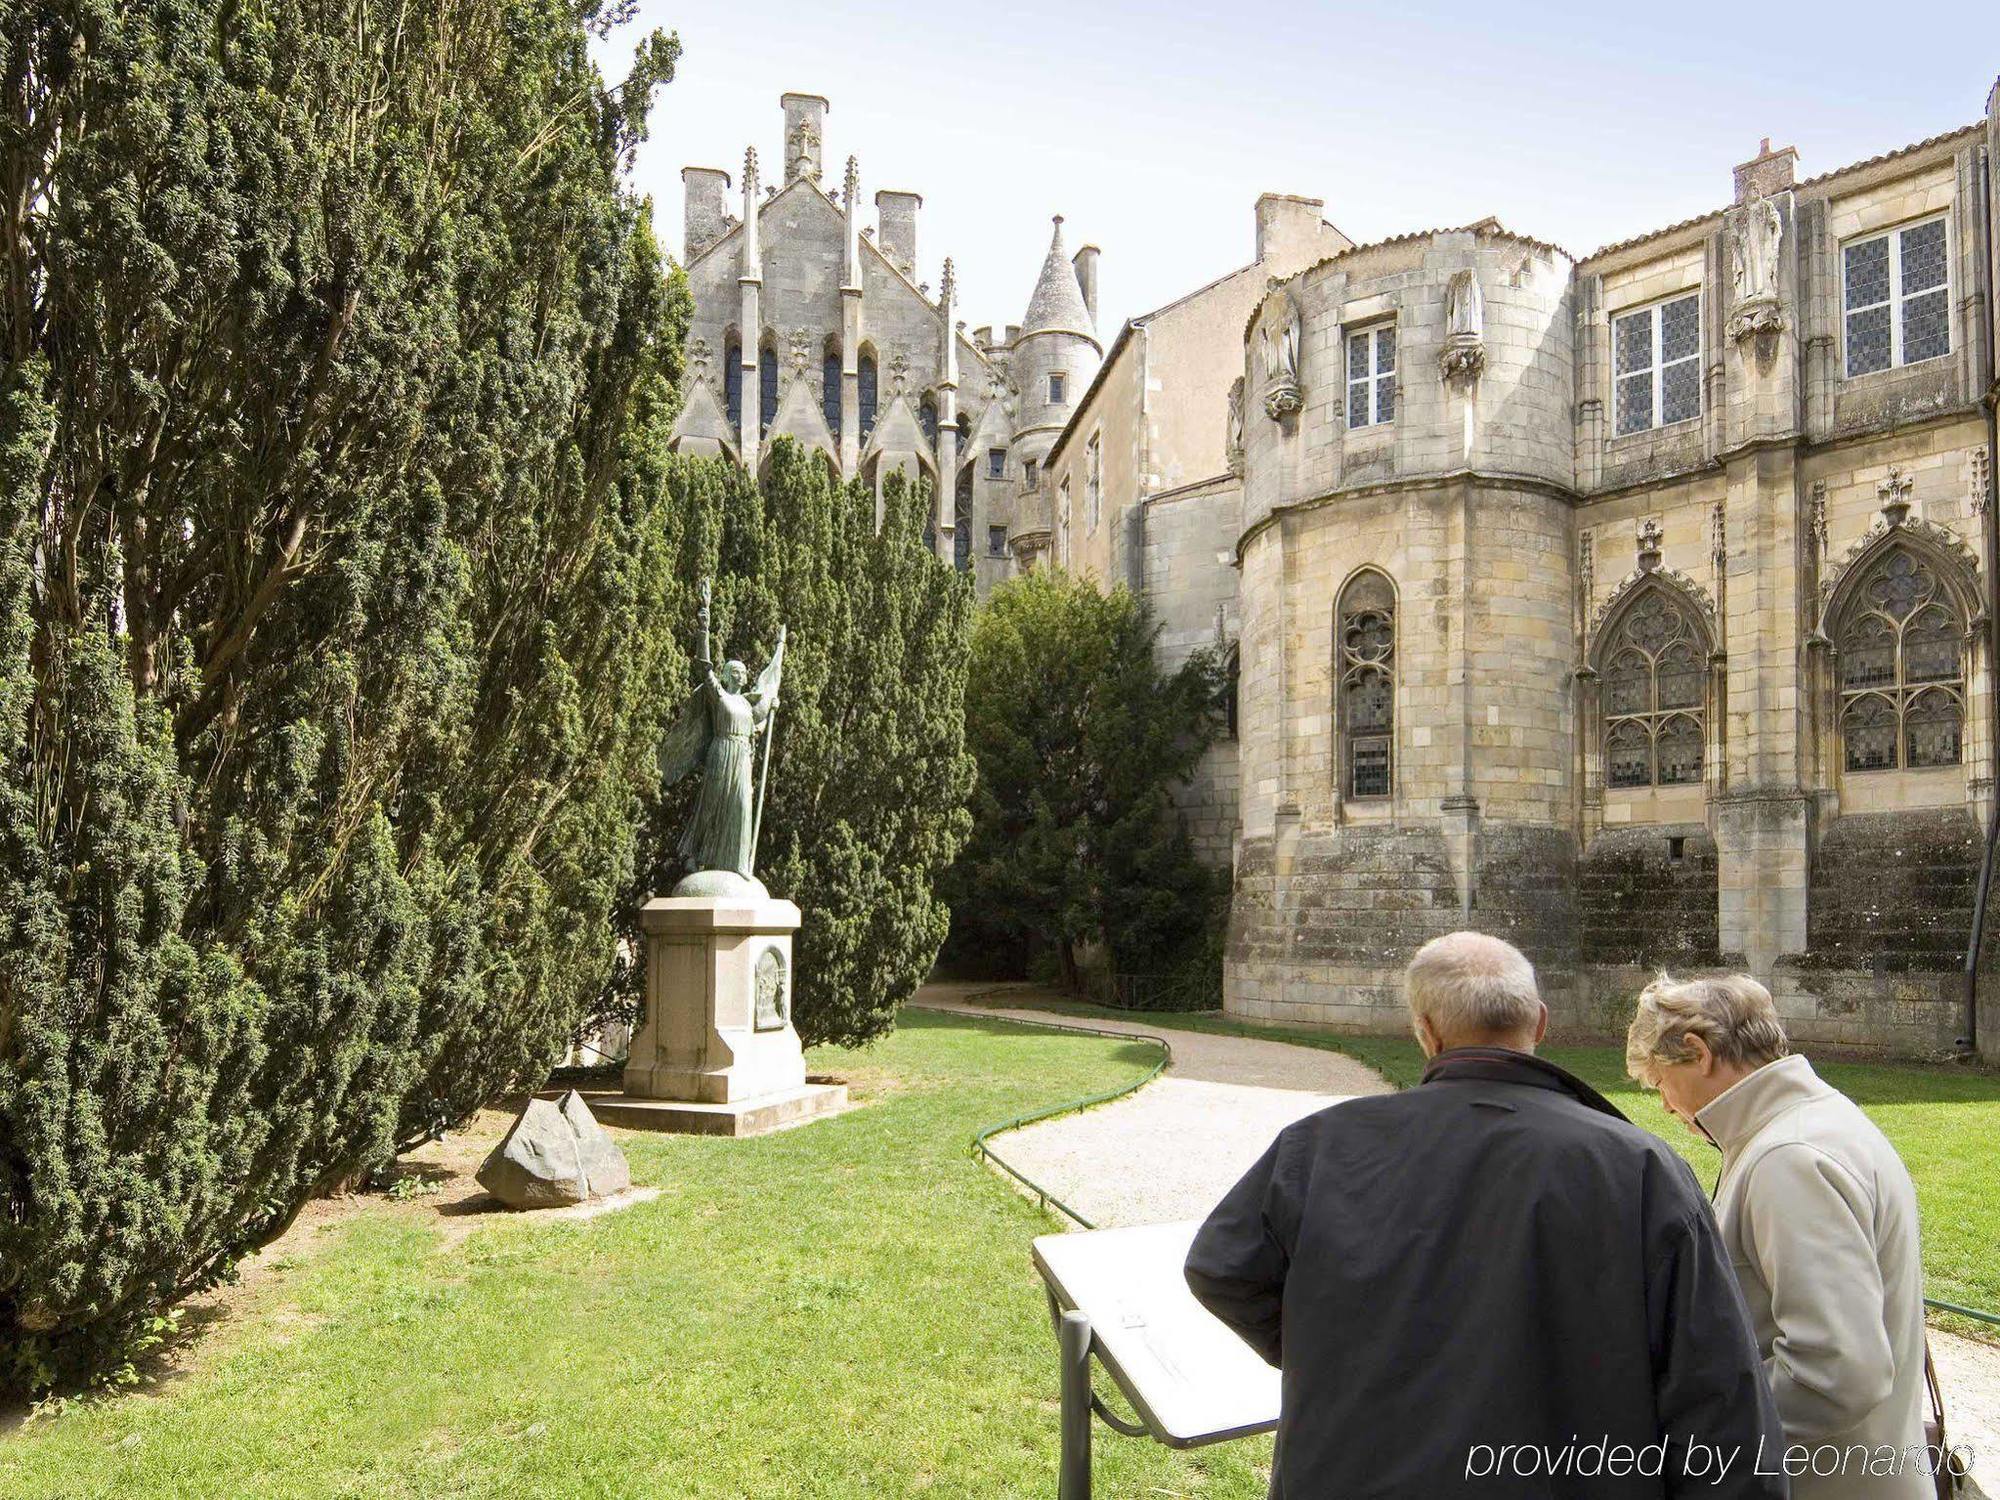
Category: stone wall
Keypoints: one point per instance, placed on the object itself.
(1894, 891)
(1647, 897)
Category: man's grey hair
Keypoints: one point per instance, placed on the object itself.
(1469, 984)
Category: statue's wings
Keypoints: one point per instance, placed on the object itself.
(681, 751)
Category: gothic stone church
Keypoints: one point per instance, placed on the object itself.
(1635, 606)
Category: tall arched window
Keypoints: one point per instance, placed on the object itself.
(732, 383)
(829, 391)
(1232, 687)
(767, 388)
(1654, 693)
(865, 380)
(1902, 669)
(927, 419)
(961, 523)
(1367, 661)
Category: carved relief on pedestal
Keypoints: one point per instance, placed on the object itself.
(1463, 355)
(1754, 247)
(1278, 335)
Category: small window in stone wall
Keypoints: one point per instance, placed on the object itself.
(996, 541)
(1897, 298)
(1902, 672)
(1653, 694)
(1656, 360)
(1367, 659)
(996, 463)
(1058, 388)
(1371, 376)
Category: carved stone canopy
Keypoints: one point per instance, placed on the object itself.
(1233, 448)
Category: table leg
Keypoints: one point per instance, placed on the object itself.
(1073, 1340)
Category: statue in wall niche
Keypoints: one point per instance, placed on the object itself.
(1760, 231)
(718, 734)
(1463, 354)
(1280, 341)
(1233, 450)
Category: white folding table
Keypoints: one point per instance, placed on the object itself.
(1119, 1294)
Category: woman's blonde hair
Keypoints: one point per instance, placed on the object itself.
(1734, 1016)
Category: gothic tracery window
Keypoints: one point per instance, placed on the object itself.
(1366, 650)
(1653, 694)
(767, 388)
(1902, 669)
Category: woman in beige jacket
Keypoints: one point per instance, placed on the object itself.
(1820, 1219)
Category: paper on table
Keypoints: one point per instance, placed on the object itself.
(1189, 1378)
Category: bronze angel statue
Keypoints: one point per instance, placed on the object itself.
(717, 733)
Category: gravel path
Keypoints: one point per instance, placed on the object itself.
(1172, 1149)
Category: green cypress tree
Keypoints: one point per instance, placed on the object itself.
(1080, 741)
(336, 572)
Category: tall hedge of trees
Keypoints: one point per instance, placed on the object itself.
(1079, 862)
(335, 368)
(870, 773)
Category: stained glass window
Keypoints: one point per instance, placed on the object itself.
(1371, 376)
(1366, 650)
(767, 388)
(864, 381)
(1656, 365)
(1654, 694)
(1897, 297)
(1902, 669)
(732, 384)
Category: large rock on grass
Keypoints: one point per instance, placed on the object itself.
(555, 1155)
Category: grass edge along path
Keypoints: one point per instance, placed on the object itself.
(1950, 1166)
(840, 1311)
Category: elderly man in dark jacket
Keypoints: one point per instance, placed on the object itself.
(1492, 1283)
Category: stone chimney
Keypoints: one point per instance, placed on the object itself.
(1766, 173)
(896, 229)
(1287, 226)
(1085, 262)
(704, 194)
(805, 132)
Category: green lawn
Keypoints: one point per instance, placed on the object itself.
(1944, 1119)
(842, 1310)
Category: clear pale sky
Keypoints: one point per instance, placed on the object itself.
(1152, 128)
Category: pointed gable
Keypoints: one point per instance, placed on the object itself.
(899, 432)
(800, 418)
(703, 426)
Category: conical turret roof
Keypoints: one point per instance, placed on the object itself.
(1058, 298)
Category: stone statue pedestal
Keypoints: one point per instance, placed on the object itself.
(717, 1053)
